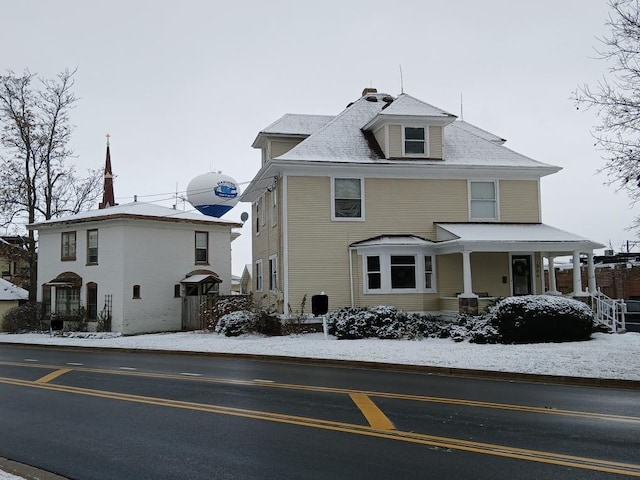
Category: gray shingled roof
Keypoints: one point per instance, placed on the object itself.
(343, 140)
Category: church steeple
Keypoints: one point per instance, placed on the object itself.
(108, 198)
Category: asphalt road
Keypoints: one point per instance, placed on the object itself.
(113, 415)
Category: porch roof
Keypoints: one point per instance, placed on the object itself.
(509, 237)
(202, 278)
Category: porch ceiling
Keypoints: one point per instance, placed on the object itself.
(509, 237)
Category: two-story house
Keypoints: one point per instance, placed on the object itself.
(394, 201)
(145, 266)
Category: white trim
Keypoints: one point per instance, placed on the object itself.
(385, 255)
(427, 143)
(361, 218)
(497, 199)
(285, 241)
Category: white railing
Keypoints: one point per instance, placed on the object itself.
(609, 311)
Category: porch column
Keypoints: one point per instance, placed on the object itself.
(466, 274)
(577, 277)
(467, 300)
(591, 273)
(552, 275)
(543, 255)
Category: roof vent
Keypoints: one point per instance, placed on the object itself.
(369, 90)
(371, 98)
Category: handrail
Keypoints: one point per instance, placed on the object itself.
(609, 311)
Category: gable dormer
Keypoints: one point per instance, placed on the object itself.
(407, 128)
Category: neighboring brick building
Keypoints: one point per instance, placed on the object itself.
(617, 276)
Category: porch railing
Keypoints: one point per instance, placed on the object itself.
(608, 311)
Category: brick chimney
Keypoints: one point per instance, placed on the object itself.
(369, 90)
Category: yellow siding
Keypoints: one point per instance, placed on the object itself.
(267, 243)
(395, 141)
(449, 271)
(487, 269)
(318, 247)
(435, 141)
(381, 139)
(282, 146)
(519, 201)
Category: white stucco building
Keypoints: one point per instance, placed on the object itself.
(136, 261)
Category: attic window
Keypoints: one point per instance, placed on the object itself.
(414, 141)
(371, 98)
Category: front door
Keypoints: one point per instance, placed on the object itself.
(521, 274)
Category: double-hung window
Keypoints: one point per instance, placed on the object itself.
(68, 246)
(274, 206)
(483, 200)
(415, 141)
(348, 199)
(92, 247)
(259, 275)
(273, 272)
(374, 275)
(202, 247)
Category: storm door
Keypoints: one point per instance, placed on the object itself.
(521, 274)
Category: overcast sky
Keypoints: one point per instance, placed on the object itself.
(183, 87)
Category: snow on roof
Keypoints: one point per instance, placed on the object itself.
(343, 140)
(9, 291)
(479, 132)
(297, 124)
(137, 210)
(392, 240)
(508, 232)
(406, 105)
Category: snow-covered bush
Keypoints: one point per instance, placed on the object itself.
(541, 318)
(474, 329)
(23, 318)
(384, 322)
(236, 323)
(225, 305)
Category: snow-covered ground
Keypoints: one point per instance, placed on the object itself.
(8, 476)
(612, 356)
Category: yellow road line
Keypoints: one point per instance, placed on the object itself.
(628, 469)
(397, 396)
(53, 375)
(371, 412)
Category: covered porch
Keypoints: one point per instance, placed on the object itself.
(475, 250)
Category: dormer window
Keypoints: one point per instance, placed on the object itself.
(415, 141)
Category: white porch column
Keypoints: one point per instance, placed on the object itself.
(591, 273)
(542, 257)
(466, 275)
(577, 277)
(552, 275)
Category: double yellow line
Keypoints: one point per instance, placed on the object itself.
(379, 425)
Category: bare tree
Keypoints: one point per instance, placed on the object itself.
(35, 181)
(616, 98)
